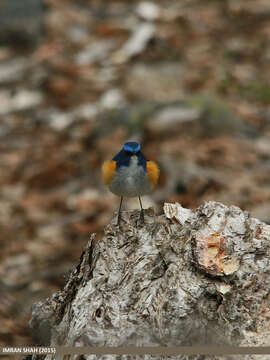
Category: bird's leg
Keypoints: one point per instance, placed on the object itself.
(119, 212)
(142, 211)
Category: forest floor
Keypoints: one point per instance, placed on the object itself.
(188, 79)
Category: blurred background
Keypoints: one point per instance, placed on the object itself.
(188, 79)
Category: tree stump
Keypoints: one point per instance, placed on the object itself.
(182, 278)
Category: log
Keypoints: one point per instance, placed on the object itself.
(183, 278)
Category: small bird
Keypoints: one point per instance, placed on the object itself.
(130, 174)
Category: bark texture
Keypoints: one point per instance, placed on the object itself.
(182, 278)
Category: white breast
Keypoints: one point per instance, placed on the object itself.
(131, 181)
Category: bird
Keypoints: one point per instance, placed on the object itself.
(130, 174)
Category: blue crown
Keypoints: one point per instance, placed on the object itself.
(132, 147)
(129, 149)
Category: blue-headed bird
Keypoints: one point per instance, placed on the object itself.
(130, 174)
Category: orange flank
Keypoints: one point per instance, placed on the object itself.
(108, 170)
(152, 171)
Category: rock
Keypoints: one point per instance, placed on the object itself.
(159, 82)
(15, 271)
(148, 10)
(113, 98)
(139, 39)
(218, 119)
(60, 120)
(27, 99)
(170, 119)
(131, 117)
(203, 280)
(95, 52)
(22, 100)
(13, 70)
(21, 22)
(87, 111)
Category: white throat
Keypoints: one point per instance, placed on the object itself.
(133, 161)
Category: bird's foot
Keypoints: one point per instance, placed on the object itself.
(118, 219)
(141, 219)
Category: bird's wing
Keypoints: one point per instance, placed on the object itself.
(152, 171)
(108, 171)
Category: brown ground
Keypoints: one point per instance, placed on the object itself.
(71, 102)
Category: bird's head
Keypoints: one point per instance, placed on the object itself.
(130, 150)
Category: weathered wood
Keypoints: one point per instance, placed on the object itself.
(190, 278)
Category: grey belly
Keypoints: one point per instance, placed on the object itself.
(130, 184)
